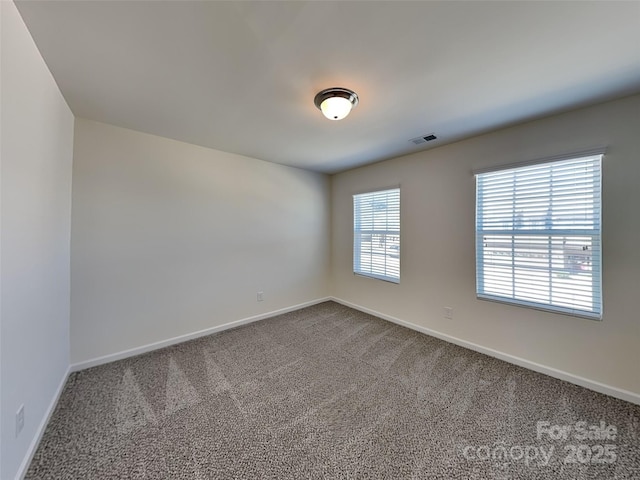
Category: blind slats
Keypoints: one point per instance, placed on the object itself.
(538, 236)
(376, 234)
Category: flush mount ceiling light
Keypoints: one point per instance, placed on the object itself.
(336, 103)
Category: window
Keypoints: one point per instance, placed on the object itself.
(538, 236)
(376, 234)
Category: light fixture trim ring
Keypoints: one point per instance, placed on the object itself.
(336, 92)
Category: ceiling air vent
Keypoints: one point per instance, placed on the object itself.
(423, 139)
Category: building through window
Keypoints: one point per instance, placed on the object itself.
(538, 236)
(376, 234)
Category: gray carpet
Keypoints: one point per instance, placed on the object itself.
(330, 392)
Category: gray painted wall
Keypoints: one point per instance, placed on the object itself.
(170, 238)
(438, 249)
(36, 156)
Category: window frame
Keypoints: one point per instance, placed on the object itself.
(550, 234)
(357, 266)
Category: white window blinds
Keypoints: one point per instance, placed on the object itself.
(376, 234)
(538, 236)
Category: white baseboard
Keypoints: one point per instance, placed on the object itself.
(536, 367)
(189, 336)
(33, 446)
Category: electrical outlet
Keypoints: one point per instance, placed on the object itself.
(448, 313)
(260, 296)
(19, 420)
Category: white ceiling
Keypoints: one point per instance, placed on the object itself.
(241, 76)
